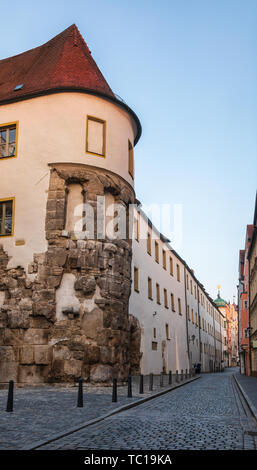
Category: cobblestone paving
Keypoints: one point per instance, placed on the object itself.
(205, 414)
(42, 412)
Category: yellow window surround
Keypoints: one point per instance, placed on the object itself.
(100, 121)
(7, 126)
(2, 222)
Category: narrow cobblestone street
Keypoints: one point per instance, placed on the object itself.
(206, 414)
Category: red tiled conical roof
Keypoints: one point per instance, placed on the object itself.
(62, 64)
(64, 61)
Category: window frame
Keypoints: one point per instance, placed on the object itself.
(101, 121)
(7, 125)
(136, 279)
(131, 166)
(7, 199)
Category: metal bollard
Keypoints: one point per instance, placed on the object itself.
(161, 379)
(151, 382)
(129, 386)
(177, 376)
(10, 397)
(80, 394)
(114, 390)
(186, 374)
(141, 384)
(182, 375)
(170, 377)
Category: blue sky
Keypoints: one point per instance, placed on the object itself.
(188, 68)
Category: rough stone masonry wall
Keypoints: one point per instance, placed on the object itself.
(96, 339)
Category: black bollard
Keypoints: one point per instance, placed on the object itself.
(141, 384)
(151, 382)
(129, 386)
(186, 374)
(114, 390)
(177, 376)
(80, 394)
(170, 377)
(10, 397)
(182, 375)
(161, 379)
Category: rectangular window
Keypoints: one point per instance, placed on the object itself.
(188, 314)
(6, 217)
(130, 159)
(191, 287)
(8, 140)
(137, 228)
(195, 291)
(164, 264)
(167, 328)
(187, 282)
(165, 298)
(96, 136)
(158, 296)
(179, 307)
(136, 279)
(154, 345)
(156, 252)
(172, 302)
(178, 273)
(192, 316)
(154, 332)
(171, 266)
(149, 243)
(150, 290)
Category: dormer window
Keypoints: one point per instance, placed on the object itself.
(8, 140)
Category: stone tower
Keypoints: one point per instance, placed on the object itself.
(66, 150)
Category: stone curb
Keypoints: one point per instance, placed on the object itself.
(246, 397)
(38, 444)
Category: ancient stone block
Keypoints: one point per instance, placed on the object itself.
(18, 319)
(8, 371)
(73, 368)
(32, 374)
(42, 354)
(27, 354)
(36, 336)
(86, 284)
(100, 373)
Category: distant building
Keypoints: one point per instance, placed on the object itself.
(229, 312)
(243, 305)
(252, 258)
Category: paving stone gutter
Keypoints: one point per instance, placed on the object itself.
(247, 398)
(38, 444)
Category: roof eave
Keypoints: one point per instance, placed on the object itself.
(72, 89)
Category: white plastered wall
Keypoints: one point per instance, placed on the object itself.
(53, 129)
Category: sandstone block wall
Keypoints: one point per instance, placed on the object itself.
(69, 317)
